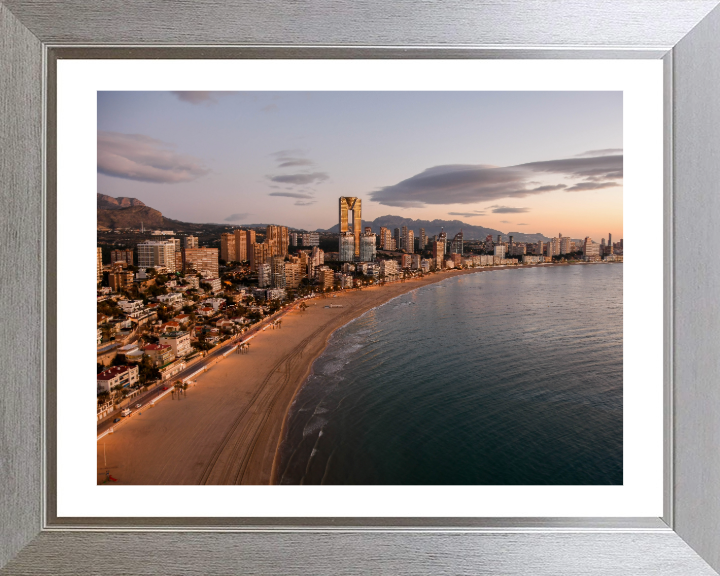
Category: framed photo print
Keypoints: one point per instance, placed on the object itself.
(360, 291)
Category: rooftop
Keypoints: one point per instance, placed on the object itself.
(111, 373)
(177, 334)
(152, 347)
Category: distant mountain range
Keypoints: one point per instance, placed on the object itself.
(451, 227)
(122, 212)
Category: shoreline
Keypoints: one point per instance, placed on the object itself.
(429, 280)
(230, 426)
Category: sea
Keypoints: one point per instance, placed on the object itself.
(504, 377)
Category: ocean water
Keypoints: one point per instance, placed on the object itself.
(503, 377)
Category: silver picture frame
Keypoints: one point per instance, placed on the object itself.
(684, 34)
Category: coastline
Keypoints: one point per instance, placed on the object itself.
(229, 428)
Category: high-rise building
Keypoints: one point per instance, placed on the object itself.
(160, 254)
(99, 265)
(293, 274)
(227, 246)
(499, 240)
(423, 239)
(326, 278)
(408, 240)
(591, 251)
(123, 256)
(540, 248)
(354, 205)
(347, 247)
(311, 239)
(202, 260)
(385, 238)
(261, 253)
(119, 278)
(456, 246)
(264, 275)
(281, 237)
(293, 239)
(250, 240)
(367, 247)
(241, 245)
(442, 241)
(610, 239)
(565, 245)
(499, 250)
(406, 260)
(277, 263)
(398, 239)
(191, 242)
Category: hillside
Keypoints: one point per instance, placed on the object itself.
(451, 227)
(106, 202)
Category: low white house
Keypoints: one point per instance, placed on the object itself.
(117, 376)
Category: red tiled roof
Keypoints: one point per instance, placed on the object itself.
(110, 373)
(152, 347)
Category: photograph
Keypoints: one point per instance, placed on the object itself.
(368, 288)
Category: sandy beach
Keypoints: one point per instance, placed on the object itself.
(226, 429)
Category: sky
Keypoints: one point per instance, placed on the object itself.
(548, 162)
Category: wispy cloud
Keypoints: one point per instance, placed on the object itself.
(238, 217)
(308, 203)
(508, 210)
(603, 152)
(296, 182)
(139, 157)
(302, 195)
(466, 184)
(467, 214)
(300, 179)
(522, 224)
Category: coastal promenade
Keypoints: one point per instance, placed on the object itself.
(226, 429)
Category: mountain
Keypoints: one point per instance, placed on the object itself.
(109, 203)
(451, 227)
(133, 217)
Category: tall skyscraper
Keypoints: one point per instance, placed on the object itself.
(354, 205)
(203, 260)
(250, 240)
(191, 242)
(227, 247)
(590, 250)
(241, 245)
(277, 264)
(281, 237)
(565, 245)
(442, 241)
(367, 247)
(499, 240)
(385, 238)
(609, 238)
(397, 238)
(423, 239)
(264, 275)
(123, 256)
(540, 248)
(347, 247)
(99, 265)
(157, 255)
(260, 254)
(408, 240)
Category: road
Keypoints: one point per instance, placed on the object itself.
(147, 397)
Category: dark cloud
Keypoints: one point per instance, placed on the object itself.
(583, 186)
(145, 159)
(292, 195)
(603, 152)
(238, 217)
(300, 179)
(466, 184)
(289, 162)
(195, 97)
(467, 214)
(508, 210)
